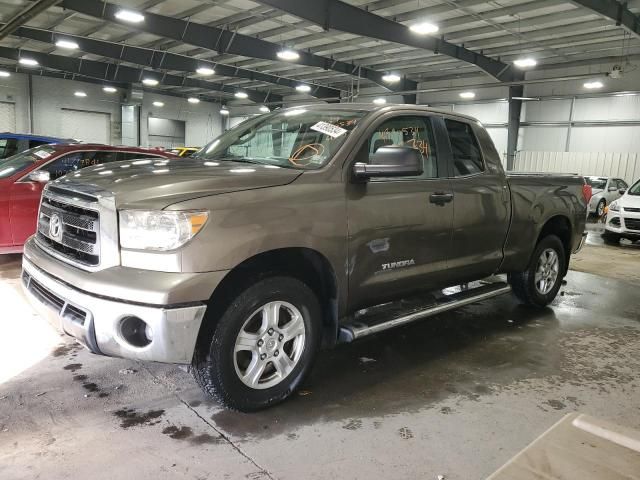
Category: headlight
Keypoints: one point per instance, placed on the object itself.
(614, 207)
(159, 230)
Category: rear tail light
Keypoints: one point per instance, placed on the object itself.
(587, 192)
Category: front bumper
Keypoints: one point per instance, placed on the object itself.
(96, 320)
(623, 223)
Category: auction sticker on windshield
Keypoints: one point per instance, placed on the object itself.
(41, 154)
(329, 129)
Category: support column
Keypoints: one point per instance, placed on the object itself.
(515, 109)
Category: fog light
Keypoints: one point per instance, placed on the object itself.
(136, 332)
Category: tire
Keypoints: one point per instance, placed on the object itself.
(611, 238)
(524, 284)
(600, 208)
(221, 361)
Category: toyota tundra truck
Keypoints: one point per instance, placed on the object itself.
(292, 232)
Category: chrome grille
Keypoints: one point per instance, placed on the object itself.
(78, 238)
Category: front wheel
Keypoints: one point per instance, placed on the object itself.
(600, 208)
(539, 284)
(262, 347)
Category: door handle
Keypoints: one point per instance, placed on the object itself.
(440, 198)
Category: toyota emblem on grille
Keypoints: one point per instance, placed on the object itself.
(55, 227)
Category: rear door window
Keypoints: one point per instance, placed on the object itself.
(467, 156)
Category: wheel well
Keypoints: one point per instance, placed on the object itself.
(560, 226)
(305, 264)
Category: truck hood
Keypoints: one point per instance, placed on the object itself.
(158, 183)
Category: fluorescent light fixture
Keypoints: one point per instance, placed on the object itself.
(193, 100)
(264, 109)
(241, 95)
(68, 44)
(129, 16)
(525, 62)
(593, 85)
(4, 74)
(224, 111)
(467, 95)
(29, 62)
(80, 94)
(379, 101)
(288, 54)
(303, 88)
(205, 71)
(424, 28)
(525, 99)
(391, 78)
(158, 104)
(109, 89)
(152, 82)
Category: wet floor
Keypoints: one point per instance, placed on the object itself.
(454, 395)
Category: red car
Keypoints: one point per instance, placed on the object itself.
(23, 176)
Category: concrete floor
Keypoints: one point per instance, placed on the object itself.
(456, 395)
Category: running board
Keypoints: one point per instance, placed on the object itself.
(395, 314)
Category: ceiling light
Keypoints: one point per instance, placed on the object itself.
(4, 74)
(152, 82)
(264, 109)
(224, 111)
(205, 71)
(29, 62)
(129, 16)
(80, 94)
(68, 44)
(241, 95)
(424, 28)
(467, 95)
(379, 101)
(303, 88)
(593, 85)
(109, 89)
(288, 54)
(158, 104)
(193, 100)
(391, 78)
(525, 62)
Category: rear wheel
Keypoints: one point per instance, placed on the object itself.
(600, 208)
(539, 284)
(262, 347)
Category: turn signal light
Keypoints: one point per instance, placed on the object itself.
(587, 192)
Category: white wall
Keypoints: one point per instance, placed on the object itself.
(51, 95)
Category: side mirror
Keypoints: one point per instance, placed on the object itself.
(391, 162)
(622, 191)
(39, 176)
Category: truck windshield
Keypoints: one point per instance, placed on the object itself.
(12, 165)
(292, 138)
(597, 183)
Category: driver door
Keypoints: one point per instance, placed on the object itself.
(398, 236)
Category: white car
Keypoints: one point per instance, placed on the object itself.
(623, 218)
(605, 190)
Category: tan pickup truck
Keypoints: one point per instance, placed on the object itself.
(295, 230)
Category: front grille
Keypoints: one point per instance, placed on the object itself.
(77, 232)
(629, 209)
(632, 223)
(53, 301)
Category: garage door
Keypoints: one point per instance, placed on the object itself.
(89, 127)
(7, 117)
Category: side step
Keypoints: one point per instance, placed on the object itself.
(390, 315)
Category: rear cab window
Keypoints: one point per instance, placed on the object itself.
(466, 153)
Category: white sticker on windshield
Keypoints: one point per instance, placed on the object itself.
(329, 129)
(42, 154)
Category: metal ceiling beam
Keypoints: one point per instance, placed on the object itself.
(224, 41)
(110, 72)
(613, 10)
(338, 15)
(165, 60)
(25, 15)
